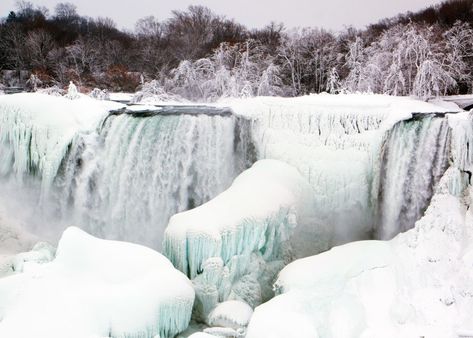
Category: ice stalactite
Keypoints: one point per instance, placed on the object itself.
(415, 156)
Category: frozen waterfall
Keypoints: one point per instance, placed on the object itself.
(414, 158)
(122, 175)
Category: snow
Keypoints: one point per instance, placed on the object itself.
(232, 313)
(418, 284)
(96, 288)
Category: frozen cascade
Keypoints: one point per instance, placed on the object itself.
(166, 164)
(415, 156)
(338, 152)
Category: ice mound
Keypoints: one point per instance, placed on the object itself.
(233, 245)
(96, 288)
(418, 284)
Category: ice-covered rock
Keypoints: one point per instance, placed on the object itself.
(97, 288)
(233, 245)
(232, 313)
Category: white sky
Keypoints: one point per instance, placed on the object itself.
(332, 14)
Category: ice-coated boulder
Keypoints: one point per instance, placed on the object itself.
(234, 245)
(96, 287)
(232, 313)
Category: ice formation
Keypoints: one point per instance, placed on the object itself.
(417, 284)
(36, 130)
(337, 142)
(233, 245)
(96, 288)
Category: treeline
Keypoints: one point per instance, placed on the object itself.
(199, 55)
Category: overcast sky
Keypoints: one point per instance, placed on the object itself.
(332, 14)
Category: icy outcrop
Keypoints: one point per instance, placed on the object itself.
(96, 287)
(418, 284)
(233, 245)
(232, 313)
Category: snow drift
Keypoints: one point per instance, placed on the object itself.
(96, 288)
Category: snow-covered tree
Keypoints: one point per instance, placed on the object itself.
(72, 92)
(432, 80)
(333, 82)
(34, 82)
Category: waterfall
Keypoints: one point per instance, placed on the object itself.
(415, 156)
(127, 179)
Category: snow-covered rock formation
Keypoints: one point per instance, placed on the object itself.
(233, 245)
(96, 288)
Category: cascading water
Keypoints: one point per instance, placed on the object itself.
(415, 156)
(125, 181)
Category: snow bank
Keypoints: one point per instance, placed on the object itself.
(36, 129)
(418, 284)
(96, 288)
(233, 245)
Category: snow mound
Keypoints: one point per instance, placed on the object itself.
(96, 287)
(418, 284)
(233, 245)
(232, 313)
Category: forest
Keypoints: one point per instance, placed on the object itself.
(199, 55)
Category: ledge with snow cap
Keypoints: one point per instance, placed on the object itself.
(97, 288)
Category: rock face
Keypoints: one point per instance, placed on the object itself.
(96, 287)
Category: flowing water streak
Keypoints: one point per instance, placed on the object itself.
(125, 181)
(414, 159)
